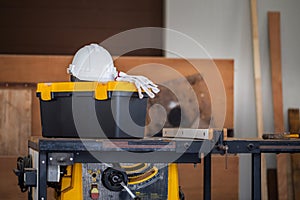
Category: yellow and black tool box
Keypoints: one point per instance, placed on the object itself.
(91, 110)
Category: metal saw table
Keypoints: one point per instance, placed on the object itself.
(154, 150)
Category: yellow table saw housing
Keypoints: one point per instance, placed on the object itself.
(83, 182)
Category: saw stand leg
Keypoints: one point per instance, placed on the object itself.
(256, 176)
(42, 176)
(207, 177)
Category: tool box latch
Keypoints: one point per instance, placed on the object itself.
(101, 91)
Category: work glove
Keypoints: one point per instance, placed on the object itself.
(142, 84)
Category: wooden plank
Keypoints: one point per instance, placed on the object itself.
(283, 160)
(275, 58)
(15, 121)
(295, 160)
(294, 120)
(272, 184)
(225, 182)
(294, 127)
(257, 69)
(33, 69)
(258, 92)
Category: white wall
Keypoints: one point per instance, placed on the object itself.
(223, 27)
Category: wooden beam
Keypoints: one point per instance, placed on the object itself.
(294, 121)
(275, 58)
(294, 127)
(272, 184)
(258, 93)
(283, 160)
(34, 68)
(257, 69)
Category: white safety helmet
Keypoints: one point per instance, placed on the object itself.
(93, 63)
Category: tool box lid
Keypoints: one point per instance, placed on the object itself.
(45, 90)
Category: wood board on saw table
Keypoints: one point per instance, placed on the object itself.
(34, 69)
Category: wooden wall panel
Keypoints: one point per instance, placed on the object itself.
(225, 182)
(8, 181)
(152, 67)
(34, 69)
(15, 121)
(61, 27)
(9, 189)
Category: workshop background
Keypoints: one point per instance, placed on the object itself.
(223, 28)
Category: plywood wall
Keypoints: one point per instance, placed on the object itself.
(225, 182)
(15, 130)
(15, 120)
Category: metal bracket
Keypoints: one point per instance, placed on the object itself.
(62, 159)
(56, 160)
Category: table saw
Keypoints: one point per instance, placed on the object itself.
(50, 153)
